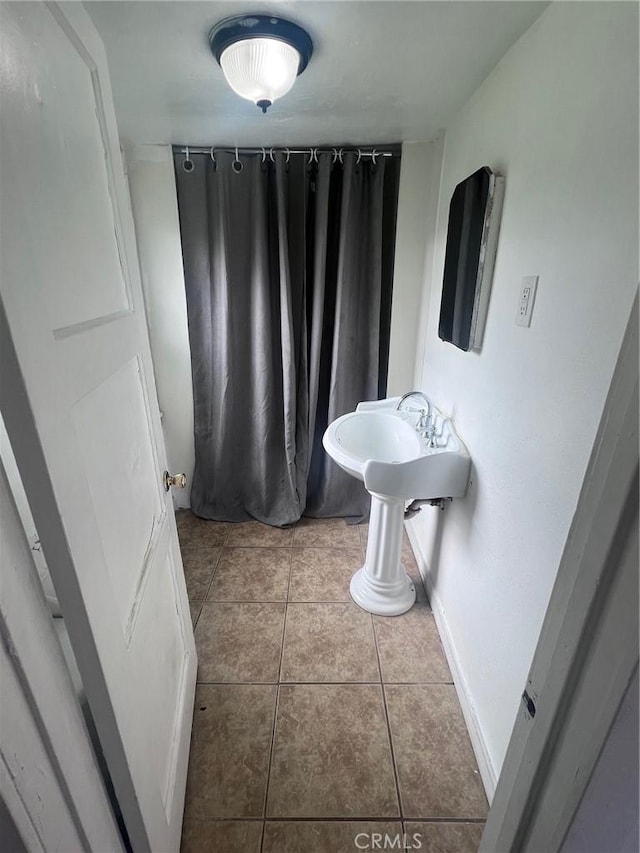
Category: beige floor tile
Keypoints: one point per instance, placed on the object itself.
(328, 642)
(199, 562)
(230, 744)
(252, 574)
(199, 531)
(239, 642)
(409, 647)
(230, 836)
(437, 772)
(364, 534)
(444, 837)
(326, 533)
(323, 574)
(254, 534)
(331, 754)
(328, 836)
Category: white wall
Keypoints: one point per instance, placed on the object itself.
(559, 118)
(155, 213)
(417, 210)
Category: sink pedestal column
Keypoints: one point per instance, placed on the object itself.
(382, 586)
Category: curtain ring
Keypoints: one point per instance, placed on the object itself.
(288, 155)
(335, 156)
(314, 154)
(359, 157)
(187, 164)
(264, 156)
(271, 157)
(237, 165)
(374, 154)
(340, 153)
(212, 154)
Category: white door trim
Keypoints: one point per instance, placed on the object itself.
(588, 647)
(49, 777)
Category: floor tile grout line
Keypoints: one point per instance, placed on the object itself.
(375, 646)
(312, 683)
(199, 606)
(271, 601)
(213, 574)
(199, 601)
(396, 774)
(271, 747)
(284, 634)
(303, 546)
(474, 820)
(290, 574)
(243, 601)
(336, 819)
(277, 705)
(326, 547)
(333, 819)
(322, 601)
(286, 612)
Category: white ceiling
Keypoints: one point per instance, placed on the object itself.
(381, 71)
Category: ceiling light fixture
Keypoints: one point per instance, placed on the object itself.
(260, 55)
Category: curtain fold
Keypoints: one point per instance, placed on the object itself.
(288, 274)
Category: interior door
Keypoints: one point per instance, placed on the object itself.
(80, 406)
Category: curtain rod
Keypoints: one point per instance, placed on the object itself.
(312, 151)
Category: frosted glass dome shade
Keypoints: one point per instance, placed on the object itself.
(260, 69)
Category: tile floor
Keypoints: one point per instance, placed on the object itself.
(315, 721)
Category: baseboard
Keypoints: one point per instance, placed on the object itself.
(485, 765)
(181, 500)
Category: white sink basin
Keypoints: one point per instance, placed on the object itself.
(354, 439)
(381, 446)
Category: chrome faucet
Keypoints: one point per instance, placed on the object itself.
(424, 398)
(425, 425)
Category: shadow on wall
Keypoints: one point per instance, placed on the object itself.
(433, 558)
(464, 519)
(458, 513)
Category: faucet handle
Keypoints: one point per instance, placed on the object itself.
(424, 419)
(431, 433)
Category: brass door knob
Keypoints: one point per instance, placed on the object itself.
(177, 480)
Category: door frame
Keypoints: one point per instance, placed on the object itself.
(587, 651)
(70, 802)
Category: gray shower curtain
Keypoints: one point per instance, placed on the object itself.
(288, 273)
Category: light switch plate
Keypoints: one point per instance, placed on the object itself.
(527, 298)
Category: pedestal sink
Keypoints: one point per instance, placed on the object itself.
(384, 447)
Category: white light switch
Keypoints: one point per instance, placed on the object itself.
(527, 298)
